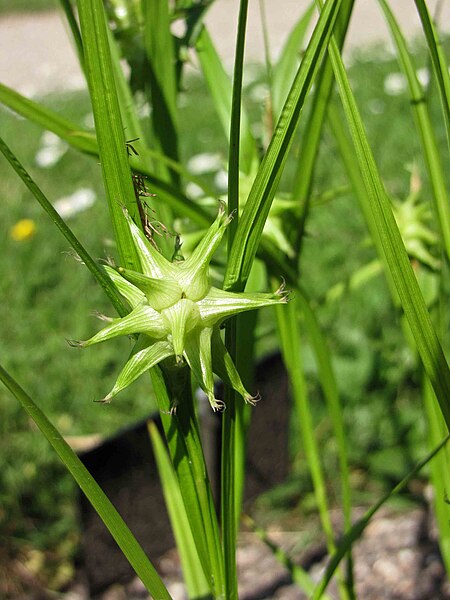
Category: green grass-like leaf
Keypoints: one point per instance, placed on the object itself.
(379, 212)
(68, 9)
(98, 272)
(306, 165)
(183, 439)
(194, 577)
(86, 142)
(438, 59)
(286, 66)
(48, 119)
(356, 531)
(220, 90)
(109, 515)
(233, 444)
(264, 187)
(440, 472)
(159, 48)
(428, 138)
(109, 127)
(291, 348)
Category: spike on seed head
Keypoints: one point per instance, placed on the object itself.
(285, 295)
(217, 405)
(253, 400)
(101, 316)
(109, 262)
(229, 218)
(281, 290)
(72, 254)
(106, 400)
(75, 343)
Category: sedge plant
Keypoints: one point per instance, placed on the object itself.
(163, 291)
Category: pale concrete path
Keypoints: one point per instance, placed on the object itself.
(36, 56)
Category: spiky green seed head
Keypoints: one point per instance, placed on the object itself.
(174, 305)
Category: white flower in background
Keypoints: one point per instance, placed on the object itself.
(52, 149)
(221, 180)
(395, 84)
(252, 73)
(423, 75)
(204, 163)
(144, 110)
(71, 205)
(258, 92)
(88, 120)
(121, 12)
(376, 106)
(194, 191)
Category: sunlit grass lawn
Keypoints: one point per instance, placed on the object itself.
(9, 6)
(41, 280)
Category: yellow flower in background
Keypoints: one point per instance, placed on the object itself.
(23, 230)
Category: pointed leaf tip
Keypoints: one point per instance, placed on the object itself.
(217, 405)
(106, 400)
(101, 316)
(76, 343)
(253, 400)
(285, 295)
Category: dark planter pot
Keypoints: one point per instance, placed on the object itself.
(125, 468)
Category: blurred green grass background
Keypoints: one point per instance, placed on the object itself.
(10, 6)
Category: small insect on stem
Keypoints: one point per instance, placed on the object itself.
(130, 148)
(149, 226)
(140, 188)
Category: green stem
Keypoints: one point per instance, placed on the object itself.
(232, 431)
(174, 395)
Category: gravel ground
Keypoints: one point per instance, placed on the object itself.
(36, 56)
(396, 559)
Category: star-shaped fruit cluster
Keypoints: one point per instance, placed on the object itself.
(178, 313)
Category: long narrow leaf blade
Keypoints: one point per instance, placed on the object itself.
(331, 393)
(439, 471)
(98, 272)
(264, 187)
(130, 119)
(159, 47)
(356, 531)
(109, 127)
(183, 439)
(233, 454)
(48, 119)
(109, 515)
(220, 90)
(303, 178)
(287, 64)
(428, 138)
(194, 577)
(438, 59)
(67, 7)
(393, 250)
(289, 335)
(87, 142)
